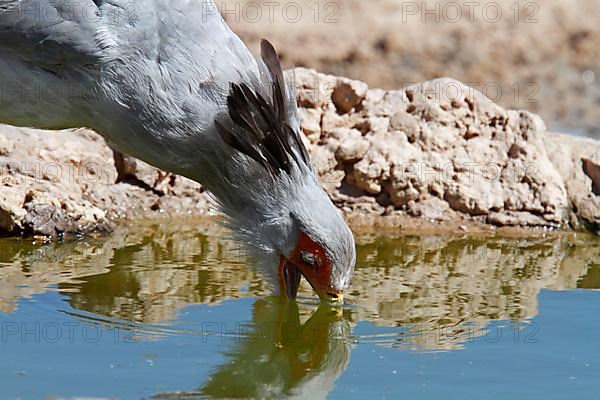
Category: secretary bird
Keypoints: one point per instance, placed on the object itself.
(168, 82)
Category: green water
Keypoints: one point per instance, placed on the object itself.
(165, 310)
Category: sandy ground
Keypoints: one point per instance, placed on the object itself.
(542, 56)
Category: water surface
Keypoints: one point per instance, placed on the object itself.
(169, 310)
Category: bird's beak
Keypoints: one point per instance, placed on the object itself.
(289, 278)
(289, 281)
(331, 296)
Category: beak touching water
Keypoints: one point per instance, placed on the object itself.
(289, 281)
(308, 260)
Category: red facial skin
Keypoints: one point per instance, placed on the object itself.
(318, 275)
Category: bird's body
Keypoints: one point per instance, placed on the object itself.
(170, 83)
(120, 68)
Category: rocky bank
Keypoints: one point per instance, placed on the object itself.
(437, 153)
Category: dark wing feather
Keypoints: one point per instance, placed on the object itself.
(241, 145)
(271, 60)
(280, 95)
(258, 120)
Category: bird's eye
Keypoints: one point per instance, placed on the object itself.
(308, 258)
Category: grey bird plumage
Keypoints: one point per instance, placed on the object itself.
(170, 83)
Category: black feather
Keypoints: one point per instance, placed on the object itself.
(258, 120)
(280, 96)
(241, 146)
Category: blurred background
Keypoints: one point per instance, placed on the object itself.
(542, 56)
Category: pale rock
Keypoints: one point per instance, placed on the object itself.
(569, 155)
(56, 183)
(377, 125)
(352, 147)
(310, 123)
(406, 123)
(447, 141)
(11, 208)
(367, 173)
(432, 208)
(6, 147)
(314, 90)
(387, 103)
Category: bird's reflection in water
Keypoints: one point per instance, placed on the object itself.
(281, 356)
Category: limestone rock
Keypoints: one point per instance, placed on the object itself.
(56, 183)
(352, 145)
(577, 161)
(445, 141)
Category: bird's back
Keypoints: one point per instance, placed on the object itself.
(149, 75)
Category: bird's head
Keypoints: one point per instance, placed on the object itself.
(319, 246)
(272, 194)
(327, 268)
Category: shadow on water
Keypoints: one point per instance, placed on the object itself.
(425, 293)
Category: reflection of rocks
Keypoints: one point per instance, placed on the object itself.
(28, 268)
(446, 284)
(156, 272)
(150, 271)
(143, 274)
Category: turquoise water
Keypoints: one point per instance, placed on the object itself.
(166, 311)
